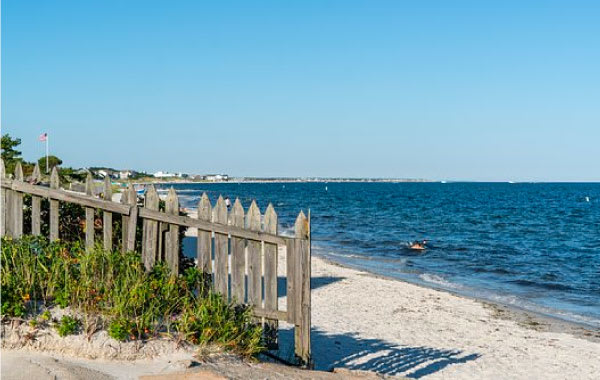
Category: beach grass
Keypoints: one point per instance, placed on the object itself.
(112, 291)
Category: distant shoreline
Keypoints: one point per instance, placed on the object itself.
(286, 180)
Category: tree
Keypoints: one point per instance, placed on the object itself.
(9, 154)
(52, 162)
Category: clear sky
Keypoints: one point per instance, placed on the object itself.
(478, 90)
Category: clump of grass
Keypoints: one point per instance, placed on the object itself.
(67, 325)
(114, 288)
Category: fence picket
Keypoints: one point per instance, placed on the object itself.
(270, 258)
(17, 204)
(238, 256)
(54, 184)
(150, 239)
(89, 214)
(129, 238)
(221, 252)
(36, 203)
(172, 236)
(204, 244)
(254, 258)
(107, 227)
(302, 285)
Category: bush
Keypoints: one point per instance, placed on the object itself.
(113, 286)
(67, 325)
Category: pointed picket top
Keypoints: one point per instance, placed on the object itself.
(107, 188)
(131, 195)
(172, 202)
(36, 176)
(2, 169)
(237, 214)
(204, 208)
(301, 226)
(220, 211)
(270, 220)
(54, 181)
(18, 171)
(151, 198)
(253, 217)
(125, 197)
(89, 183)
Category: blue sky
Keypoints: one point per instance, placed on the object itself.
(477, 90)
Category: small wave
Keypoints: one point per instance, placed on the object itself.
(435, 279)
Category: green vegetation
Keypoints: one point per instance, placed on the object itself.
(52, 162)
(67, 325)
(114, 288)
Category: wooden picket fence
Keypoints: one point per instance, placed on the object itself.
(237, 250)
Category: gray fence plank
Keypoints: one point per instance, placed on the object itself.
(129, 238)
(54, 184)
(254, 258)
(221, 250)
(204, 238)
(36, 204)
(17, 204)
(107, 226)
(172, 236)
(302, 282)
(150, 238)
(90, 228)
(270, 259)
(238, 256)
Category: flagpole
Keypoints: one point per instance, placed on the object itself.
(47, 153)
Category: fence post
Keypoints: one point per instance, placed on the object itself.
(17, 203)
(54, 184)
(131, 230)
(271, 276)
(149, 240)
(302, 277)
(204, 239)
(254, 258)
(238, 256)
(172, 236)
(36, 204)
(107, 216)
(3, 203)
(90, 228)
(221, 250)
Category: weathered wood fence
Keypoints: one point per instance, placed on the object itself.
(238, 250)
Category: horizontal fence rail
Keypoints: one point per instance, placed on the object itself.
(238, 250)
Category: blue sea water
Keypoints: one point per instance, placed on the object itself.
(531, 245)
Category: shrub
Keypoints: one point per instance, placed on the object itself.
(67, 325)
(115, 288)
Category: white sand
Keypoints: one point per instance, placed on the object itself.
(365, 322)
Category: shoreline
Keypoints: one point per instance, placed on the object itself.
(426, 285)
(556, 324)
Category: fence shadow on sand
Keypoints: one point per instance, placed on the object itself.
(352, 352)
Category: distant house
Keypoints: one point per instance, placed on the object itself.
(161, 174)
(125, 174)
(216, 177)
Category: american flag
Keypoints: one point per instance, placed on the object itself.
(43, 137)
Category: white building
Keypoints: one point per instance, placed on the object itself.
(124, 174)
(161, 174)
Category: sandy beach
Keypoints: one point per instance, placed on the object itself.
(362, 321)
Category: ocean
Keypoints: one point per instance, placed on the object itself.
(535, 246)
